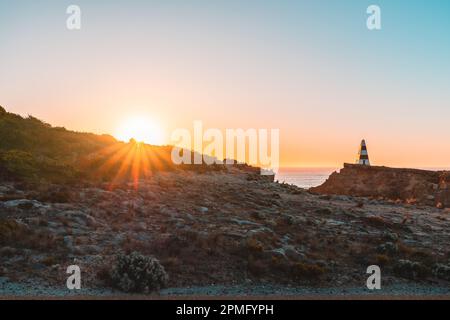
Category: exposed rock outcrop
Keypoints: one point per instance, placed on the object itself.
(408, 185)
(216, 228)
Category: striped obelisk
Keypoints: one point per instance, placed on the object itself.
(363, 156)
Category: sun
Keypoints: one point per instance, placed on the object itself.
(141, 129)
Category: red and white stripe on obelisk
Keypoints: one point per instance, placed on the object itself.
(363, 156)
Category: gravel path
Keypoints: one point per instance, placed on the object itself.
(34, 289)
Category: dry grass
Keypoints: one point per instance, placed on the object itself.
(382, 259)
(17, 235)
(308, 271)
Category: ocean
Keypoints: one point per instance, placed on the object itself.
(304, 177)
(313, 177)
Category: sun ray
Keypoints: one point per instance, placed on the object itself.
(136, 164)
(115, 159)
(124, 167)
(130, 161)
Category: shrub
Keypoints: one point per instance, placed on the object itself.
(411, 269)
(18, 235)
(60, 195)
(49, 261)
(405, 250)
(19, 162)
(382, 259)
(442, 271)
(388, 248)
(257, 267)
(138, 273)
(254, 246)
(9, 230)
(375, 221)
(307, 271)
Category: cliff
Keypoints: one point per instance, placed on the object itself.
(422, 187)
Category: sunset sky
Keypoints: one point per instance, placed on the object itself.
(309, 68)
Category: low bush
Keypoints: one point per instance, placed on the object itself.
(442, 271)
(138, 273)
(382, 259)
(18, 235)
(307, 271)
(411, 269)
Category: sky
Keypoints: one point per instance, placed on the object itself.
(311, 69)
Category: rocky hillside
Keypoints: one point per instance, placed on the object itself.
(83, 202)
(215, 228)
(413, 186)
(33, 151)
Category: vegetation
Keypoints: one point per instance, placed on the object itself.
(138, 273)
(17, 235)
(34, 151)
